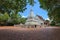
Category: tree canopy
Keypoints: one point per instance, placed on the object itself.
(4, 18)
(49, 4)
(16, 5)
(53, 7)
(9, 11)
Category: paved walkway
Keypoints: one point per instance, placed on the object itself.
(17, 33)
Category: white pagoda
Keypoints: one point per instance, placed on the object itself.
(34, 21)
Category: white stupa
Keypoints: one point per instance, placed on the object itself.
(33, 20)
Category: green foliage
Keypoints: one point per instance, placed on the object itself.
(16, 5)
(31, 2)
(55, 14)
(53, 8)
(14, 18)
(49, 4)
(6, 16)
(23, 20)
(3, 18)
(52, 23)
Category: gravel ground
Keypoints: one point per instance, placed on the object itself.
(17, 33)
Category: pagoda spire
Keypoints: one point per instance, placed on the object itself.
(31, 13)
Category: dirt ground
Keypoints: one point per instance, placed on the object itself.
(17, 33)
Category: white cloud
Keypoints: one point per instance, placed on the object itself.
(24, 16)
(47, 19)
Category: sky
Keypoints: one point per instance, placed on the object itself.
(37, 11)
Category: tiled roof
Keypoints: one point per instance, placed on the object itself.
(40, 17)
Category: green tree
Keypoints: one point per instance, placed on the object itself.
(14, 19)
(31, 2)
(52, 23)
(3, 18)
(23, 20)
(15, 5)
(49, 4)
(53, 7)
(55, 14)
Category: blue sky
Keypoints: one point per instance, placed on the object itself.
(36, 9)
